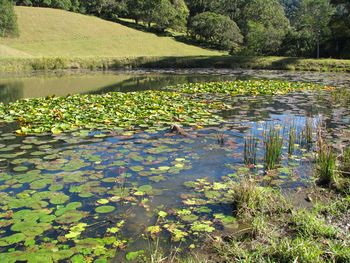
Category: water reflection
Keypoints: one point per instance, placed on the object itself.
(13, 88)
(11, 91)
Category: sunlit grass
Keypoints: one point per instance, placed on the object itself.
(46, 32)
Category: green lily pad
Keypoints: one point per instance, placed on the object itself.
(105, 209)
(134, 255)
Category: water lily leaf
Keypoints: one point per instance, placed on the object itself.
(154, 230)
(13, 239)
(57, 198)
(71, 216)
(105, 209)
(145, 189)
(204, 226)
(134, 255)
(103, 201)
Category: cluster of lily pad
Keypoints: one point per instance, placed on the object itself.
(53, 198)
(250, 87)
(136, 109)
(107, 111)
(199, 215)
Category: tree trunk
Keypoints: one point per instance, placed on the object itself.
(318, 48)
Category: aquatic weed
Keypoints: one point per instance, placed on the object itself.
(273, 141)
(325, 161)
(292, 138)
(250, 150)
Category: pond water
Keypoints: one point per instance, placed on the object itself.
(63, 83)
(102, 194)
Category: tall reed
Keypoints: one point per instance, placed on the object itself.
(292, 136)
(250, 150)
(273, 141)
(326, 161)
(346, 159)
(307, 133)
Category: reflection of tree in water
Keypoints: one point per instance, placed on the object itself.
(156, 82)
(11, 91)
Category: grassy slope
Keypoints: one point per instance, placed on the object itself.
(53, 39)
(49, 32)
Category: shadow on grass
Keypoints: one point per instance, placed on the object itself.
(143, 28)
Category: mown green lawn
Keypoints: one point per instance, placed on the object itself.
(46, 32)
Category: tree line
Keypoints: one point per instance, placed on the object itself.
(300, 28)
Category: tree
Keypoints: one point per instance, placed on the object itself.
(62, 4)
(137, 9)
(182, 14)
(290, 7)
(266, 26)
(200, 6)
(340, 28)
(313, 19)
(8, 19)
(217, 29)
(163, 15)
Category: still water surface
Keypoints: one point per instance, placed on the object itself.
(94, 194)
(60, 84)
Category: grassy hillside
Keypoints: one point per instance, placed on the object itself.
(46, 32)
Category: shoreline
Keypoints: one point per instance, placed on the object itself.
(26, 65)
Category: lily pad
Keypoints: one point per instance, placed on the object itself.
(105, 209)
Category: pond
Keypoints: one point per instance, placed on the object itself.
(101, 194)
(14, 87)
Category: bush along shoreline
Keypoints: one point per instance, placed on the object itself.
(230, 62)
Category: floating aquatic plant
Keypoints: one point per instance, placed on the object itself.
(147, 109)
(109, 111)
(250, 87)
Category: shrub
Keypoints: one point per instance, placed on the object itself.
(8, 19)
(216, 29)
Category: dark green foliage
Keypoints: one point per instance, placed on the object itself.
(312, 20)
(62, 4)
(266, 26)
(167, 15)
(216, 29)
(8, 19)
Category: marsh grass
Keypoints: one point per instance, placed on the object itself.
(296, 250)
(250, 150)
(250, 199)
(292, 136)
(307, 224)
(326, 165)
(346, 160)
(307, 132)
(326, 161)
(273, 141)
